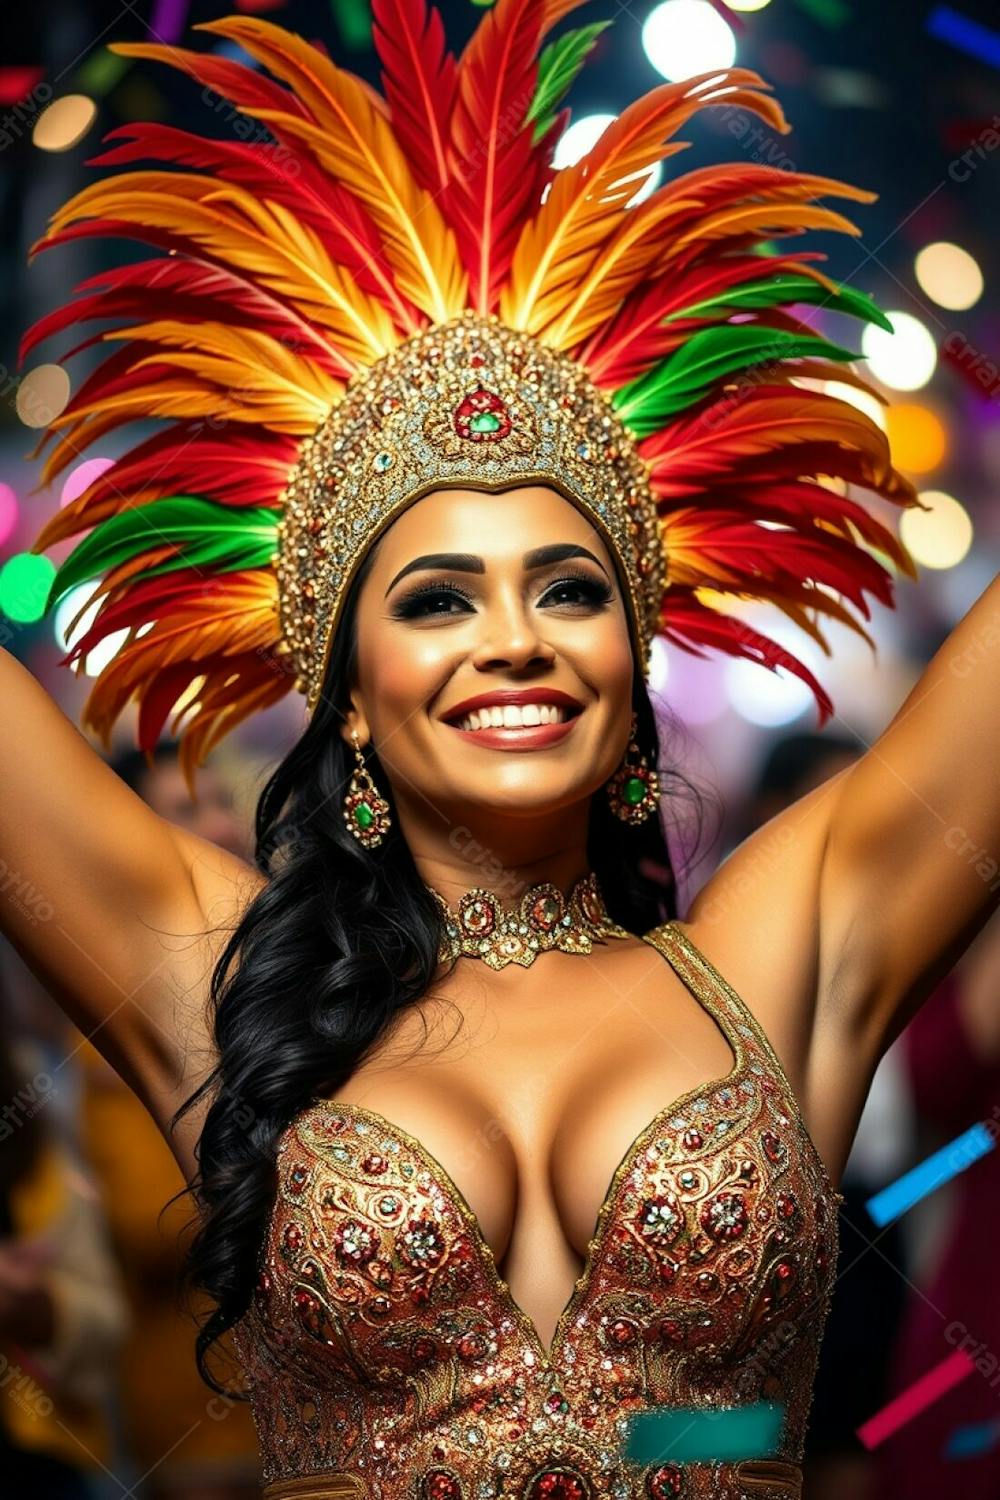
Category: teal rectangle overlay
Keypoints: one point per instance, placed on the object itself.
(696, 1435)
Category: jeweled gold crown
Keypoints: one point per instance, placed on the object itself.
(468, 402)
(309, 323)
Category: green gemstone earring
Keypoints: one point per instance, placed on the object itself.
(365, 812)
(634, 789)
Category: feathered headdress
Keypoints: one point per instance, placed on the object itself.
(363, 297)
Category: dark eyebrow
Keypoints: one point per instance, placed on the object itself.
(452, 562)
(467, 562)
(558, 552)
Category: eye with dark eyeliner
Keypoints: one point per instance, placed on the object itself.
(591, 593)
(426, 599)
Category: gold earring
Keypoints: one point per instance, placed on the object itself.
(365, 812)
(634, 789)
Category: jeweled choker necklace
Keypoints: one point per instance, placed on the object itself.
(543, 919)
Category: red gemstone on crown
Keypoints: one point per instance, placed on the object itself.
(482, 417)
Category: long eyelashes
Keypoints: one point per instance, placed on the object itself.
(417, 601)
(594, 590)
(414, 603)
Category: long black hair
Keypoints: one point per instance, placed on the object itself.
(337, 943)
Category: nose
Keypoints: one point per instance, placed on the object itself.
(510, 637)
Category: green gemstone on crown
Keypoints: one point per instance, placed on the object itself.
(363, 815)
(634, 790)
(484, 421)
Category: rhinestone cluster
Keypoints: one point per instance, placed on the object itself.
(469, 402)
(481, 927)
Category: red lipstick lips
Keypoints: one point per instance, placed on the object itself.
(516, 737)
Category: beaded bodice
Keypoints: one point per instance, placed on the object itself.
(386, 1356)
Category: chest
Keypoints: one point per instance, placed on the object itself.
(531, 1098)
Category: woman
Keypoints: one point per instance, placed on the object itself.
(491, 445)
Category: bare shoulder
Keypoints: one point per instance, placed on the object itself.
(757, 920)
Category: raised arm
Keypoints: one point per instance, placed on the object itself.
(911, 870)
(108, 903)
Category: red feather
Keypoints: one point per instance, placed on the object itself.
(490, 147)
(192, 291)
(420, 78)
(691, 625)
(178, 246)
(343, 224)
(636, 338)
(248, 467)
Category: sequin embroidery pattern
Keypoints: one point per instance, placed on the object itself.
(383, 1344)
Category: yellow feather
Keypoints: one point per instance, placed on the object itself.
(586, 202)
(260, 239)
(758, 219)
(191, 396)
(355, 143)
(636, 250)
(245, 362)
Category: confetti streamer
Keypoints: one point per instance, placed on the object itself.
(828, 12)
(965, 34)
(16, 82)
(973, 1440)
(101, 71)
(167, 22)
(929, 1175)
(916, 1398)
(354, 18)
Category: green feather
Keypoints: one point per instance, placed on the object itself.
(688, 374)
(778, 290)
(558, 66)
(220, 538)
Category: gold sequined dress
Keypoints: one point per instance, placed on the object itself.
(388, 1360)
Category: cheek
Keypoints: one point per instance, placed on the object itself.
(605, 658)
(404, 670)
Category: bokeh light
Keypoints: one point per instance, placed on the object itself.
(685, 37)
(42, 395)
(78, 479)
(25, 580)
(918, 438)
(763, 697)
(582, 135)
(869, 404)
(940, 537)
(8, 511)
(949, 275)
(906, 358)
(64, 123)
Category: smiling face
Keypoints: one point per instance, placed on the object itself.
(480, 607)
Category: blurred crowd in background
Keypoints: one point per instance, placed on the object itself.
(99, 1396)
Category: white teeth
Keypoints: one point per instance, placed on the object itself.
(513, 716)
